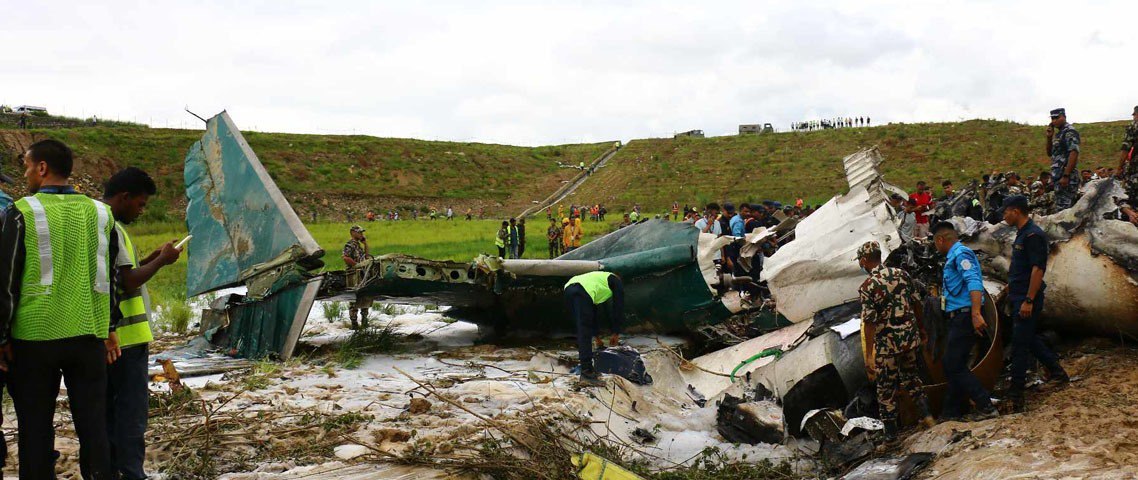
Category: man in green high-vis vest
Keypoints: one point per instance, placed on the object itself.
(58, 311)
(583, 295)
(127, 193)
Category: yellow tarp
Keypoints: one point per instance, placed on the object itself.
(592, 467)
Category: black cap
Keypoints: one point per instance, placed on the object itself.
(1057, 112)
(943, 225)
(1016, 201)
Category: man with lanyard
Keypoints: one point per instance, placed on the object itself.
(1025, 299)
(1063, 148)
(355, 252)
(963, 302)
(127, 193)
(58, 311)
(583, 294)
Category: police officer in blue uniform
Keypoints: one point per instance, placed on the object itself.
(1025, 299)
(963, 296)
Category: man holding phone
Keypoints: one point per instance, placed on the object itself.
(1025, 299)
(963, 301)
(127, 193)
(1063, 148)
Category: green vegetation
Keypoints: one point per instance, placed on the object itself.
(783, 166)
(332, 311)
(371, 340)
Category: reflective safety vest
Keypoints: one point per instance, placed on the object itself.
(498, 240)
(596, 284)
(65, 288)
(134, 328)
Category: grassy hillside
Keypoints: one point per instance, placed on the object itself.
(781, 166)
(336, 174)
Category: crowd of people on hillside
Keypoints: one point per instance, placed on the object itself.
(431, 213)
(828, 123)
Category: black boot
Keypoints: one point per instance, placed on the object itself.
(589, 374)
(1058, 379)
(355, 325)
(1015, 400)
(890, 431)
(923, 410)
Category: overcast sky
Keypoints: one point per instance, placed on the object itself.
(538, 73)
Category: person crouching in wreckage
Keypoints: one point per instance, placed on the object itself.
(888, 298)
(583, 294)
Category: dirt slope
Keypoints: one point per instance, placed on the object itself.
(1086, 430)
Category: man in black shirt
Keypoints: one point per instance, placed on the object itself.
(1025, 299)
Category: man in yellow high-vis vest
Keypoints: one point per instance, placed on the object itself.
(58, 311)
(127, 193)
(583, 294)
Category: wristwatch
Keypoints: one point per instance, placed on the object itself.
(1029, 300)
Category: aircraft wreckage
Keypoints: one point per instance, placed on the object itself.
(246, 233)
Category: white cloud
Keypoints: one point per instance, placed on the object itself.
(555, 72)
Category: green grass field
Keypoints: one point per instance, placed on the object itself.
(458, 240)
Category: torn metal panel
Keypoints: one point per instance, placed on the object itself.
(258, 328)
(817, 269)
(1092, 273)
(237, 215)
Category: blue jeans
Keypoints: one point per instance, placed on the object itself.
(1027, 344)
(128, 403)
(961, 382)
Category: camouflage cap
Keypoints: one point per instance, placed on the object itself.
(357, 228)
(868, 248)
(1036, 185)
(1136, 110)
(1058, 112)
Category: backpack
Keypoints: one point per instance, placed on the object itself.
(623, 361)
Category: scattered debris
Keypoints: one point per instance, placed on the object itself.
(894, 467)
(418, 406)
(750, 422)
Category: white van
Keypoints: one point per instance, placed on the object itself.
(29, 109)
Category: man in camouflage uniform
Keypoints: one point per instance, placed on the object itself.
(355, 251)
(1063, 148)
(887, 298)
(1014, 187)
(553, 234)
(1128, 171)
(1042, 202)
